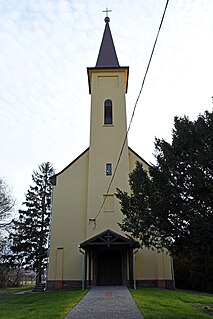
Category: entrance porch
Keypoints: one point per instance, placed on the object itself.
(108, 260)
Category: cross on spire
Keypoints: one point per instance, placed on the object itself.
(107, 17)
(107, 11)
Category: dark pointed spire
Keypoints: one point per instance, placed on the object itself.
(107, 56)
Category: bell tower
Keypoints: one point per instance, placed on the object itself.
(107, 85)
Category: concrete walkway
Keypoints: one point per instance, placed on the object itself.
(106, 303)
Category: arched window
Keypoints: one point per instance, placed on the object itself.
(108, 112)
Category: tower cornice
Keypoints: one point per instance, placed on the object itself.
(124, 69)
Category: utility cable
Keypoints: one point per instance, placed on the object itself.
(133, 113)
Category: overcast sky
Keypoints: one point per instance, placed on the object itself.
(45, 47)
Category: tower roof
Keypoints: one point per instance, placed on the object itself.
(107, 56)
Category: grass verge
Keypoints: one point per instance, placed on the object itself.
(167, 304)
(9, 291)
(48, 305)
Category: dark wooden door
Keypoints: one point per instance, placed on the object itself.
(109, 268)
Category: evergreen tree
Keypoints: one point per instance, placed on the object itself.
(31, 229)
(178, 197)
(139, 220)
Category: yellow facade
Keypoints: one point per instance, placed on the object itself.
(105, 144)
(84, 206)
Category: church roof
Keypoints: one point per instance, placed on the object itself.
(53, 179)
(107, 56)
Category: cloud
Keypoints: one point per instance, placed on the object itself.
(45, 49)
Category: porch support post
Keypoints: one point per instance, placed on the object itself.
(90, 268)
(131, 267)
(124, 280)
(95, 269)
(134, 269)
(85, 270)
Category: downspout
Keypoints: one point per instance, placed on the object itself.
(48, 240)
(172, 270)
(134, 268)
(83, 267)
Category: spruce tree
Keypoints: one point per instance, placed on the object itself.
(31, 229)
(174, 207)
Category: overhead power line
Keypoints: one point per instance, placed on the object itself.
(133, 113)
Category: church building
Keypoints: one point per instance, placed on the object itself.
(87, 246)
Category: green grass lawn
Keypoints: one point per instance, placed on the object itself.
(167, 304)
(48, 305)
(5, 292)
(153, 303)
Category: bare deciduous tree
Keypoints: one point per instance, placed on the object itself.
(7, 203)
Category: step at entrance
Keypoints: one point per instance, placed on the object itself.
(39, 287)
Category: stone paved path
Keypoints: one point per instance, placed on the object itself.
(106, 303)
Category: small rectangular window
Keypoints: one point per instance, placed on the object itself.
(108, 169)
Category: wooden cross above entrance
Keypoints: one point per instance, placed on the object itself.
(108, 237)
